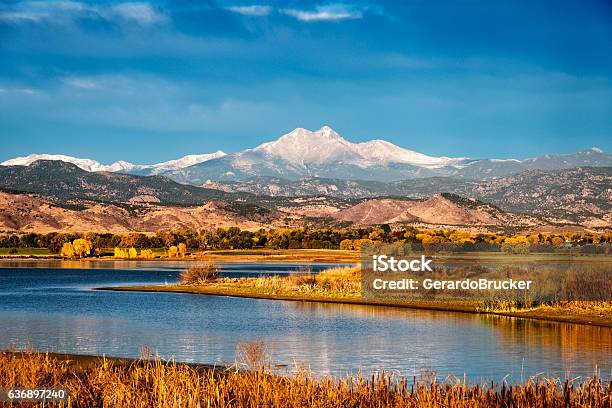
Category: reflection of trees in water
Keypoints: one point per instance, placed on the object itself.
(573, 343)
(336, 309)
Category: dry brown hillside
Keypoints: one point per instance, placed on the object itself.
(440, 209)
(26, 212)
(29, 212)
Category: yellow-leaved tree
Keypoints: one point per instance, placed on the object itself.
(82, 247)
(132, 253)
(120, 253)
(558, 240)
(346, 244)
(182, 250)
(147, 254)
(67, 250)
(172, 251)
(359, 242)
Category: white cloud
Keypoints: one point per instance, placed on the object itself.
(36, 11)
(141, 13)
(82, 83)
(19, 91)
(254, 10)
(67, 11)
(331, 12)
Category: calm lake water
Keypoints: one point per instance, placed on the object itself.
(53, 307)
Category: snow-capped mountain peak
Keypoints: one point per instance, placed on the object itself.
(85, 164)
(324, 153)
(302, 146)
(118, 166)
(329, 133)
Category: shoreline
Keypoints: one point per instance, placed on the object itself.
(559, 316)
(299, 255)
(85, 360)
(237, 255)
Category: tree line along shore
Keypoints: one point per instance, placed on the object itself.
(178, 243)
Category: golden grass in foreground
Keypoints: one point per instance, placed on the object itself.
(338, 282)
(153, 383)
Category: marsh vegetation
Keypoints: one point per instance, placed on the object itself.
(152, 382)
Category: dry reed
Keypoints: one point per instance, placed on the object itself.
(155, 383)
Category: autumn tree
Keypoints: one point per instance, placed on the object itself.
(182, 250)
(558, 240)
(67, 250)
(172, 251)
(132, 253)
(147, 254)
(346, 244)
(358, 243)
(82, 247)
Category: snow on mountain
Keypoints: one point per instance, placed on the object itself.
(184, 161)
(324, 153)
(321, 153)
(302, 147)
(383, 152)
(121, 166)
(118, 166)
(85, 164)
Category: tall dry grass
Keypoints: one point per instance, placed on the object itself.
(341, 281)
(154, 383)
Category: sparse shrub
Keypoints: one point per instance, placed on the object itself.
(254, 355)
(145, 352)
(200, 274)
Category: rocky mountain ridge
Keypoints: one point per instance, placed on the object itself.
(61, 194)
(324, 153)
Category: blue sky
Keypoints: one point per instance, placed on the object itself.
(152, 81)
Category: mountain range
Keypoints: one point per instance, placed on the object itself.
(575, 194)
(308, 178)
(119, 166)
(302, 153)
(54, 195)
